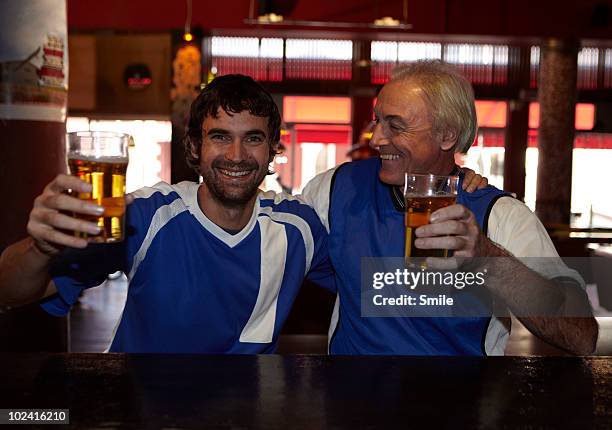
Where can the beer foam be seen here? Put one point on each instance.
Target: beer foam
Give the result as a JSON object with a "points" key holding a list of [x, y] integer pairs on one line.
{"points": [[102, 159]]}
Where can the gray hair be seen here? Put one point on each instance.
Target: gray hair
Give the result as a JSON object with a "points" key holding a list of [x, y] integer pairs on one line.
{"points": [[450, 97]]}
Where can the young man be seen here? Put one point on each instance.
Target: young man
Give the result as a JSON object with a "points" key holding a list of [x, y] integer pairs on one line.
{"points": [[212, 268], [424, 115]]}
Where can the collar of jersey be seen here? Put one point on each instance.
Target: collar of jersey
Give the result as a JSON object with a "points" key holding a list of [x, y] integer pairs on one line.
{"points": [[189, 195]]}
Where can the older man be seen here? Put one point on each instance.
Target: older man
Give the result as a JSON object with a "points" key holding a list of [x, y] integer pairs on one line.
{"points": [[424, 115]]}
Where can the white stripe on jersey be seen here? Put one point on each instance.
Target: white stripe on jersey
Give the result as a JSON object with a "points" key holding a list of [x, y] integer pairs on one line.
{"points": [[160, 219], [118, 322], [300, 224], [279, 197], [333, 323], [146, 192], [273, 246]]}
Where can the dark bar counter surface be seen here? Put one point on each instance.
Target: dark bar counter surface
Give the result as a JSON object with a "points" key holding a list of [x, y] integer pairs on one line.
{"points": [[188, 391]]}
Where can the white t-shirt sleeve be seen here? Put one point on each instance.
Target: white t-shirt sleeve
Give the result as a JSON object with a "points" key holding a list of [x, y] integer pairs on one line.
{"points": [[316, 194], [513, 226]]}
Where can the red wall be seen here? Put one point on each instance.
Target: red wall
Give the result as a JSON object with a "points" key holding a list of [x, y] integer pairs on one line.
{"points": [[154, 15], [479, 17]]}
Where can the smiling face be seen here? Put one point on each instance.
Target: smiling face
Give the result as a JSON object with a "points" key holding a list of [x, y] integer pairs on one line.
{"points": [[405, 136], [234, 156]]}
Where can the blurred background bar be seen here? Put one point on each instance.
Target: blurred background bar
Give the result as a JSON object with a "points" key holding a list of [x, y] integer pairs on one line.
{"points": [[542, 75]]}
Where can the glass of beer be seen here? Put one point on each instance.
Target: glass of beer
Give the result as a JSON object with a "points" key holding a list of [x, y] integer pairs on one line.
{"points": [[101, 158], [425, 194]]}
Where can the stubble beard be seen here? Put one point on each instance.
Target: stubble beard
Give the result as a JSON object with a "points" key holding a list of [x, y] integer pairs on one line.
{"points": [[232, 196]]}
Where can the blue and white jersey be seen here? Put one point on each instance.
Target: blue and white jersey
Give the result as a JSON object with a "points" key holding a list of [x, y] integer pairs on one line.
{"points": [[195, 288]]}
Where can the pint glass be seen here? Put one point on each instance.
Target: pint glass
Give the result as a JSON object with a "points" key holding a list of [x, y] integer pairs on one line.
{"points": [[101, 158], [425, 194]]}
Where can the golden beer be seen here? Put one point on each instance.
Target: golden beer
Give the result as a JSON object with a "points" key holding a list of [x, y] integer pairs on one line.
{"points": [[107, 178], [418, 212]]}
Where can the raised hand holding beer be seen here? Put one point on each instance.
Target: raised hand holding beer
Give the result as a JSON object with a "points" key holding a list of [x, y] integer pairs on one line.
{"points": [[454, 227], [88, 206], [51, 223], [425, 194]]}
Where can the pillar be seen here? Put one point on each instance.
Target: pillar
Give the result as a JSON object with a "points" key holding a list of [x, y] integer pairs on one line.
{"points": [[517, 126], [186, 79], [557, 98], [33, 96]]}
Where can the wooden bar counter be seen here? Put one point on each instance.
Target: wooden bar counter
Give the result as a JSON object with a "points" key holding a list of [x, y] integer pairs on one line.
{"points": [[309, 391]]}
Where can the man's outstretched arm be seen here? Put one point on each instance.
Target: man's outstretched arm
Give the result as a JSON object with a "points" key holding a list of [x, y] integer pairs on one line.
{"points": [[24, 266], [24, 274]]}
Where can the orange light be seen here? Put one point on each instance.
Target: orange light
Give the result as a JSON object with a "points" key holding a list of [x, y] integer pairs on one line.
{"points": [[491, 113], [306, 109], [584, 117], [187, 37]]}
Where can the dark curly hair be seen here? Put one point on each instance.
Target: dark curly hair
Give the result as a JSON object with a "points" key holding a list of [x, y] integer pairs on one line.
{"points": [[234, 94]]}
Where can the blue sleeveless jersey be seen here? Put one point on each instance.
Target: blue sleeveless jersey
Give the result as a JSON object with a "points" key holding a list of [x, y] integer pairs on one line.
{"points": [[364, 222]]}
